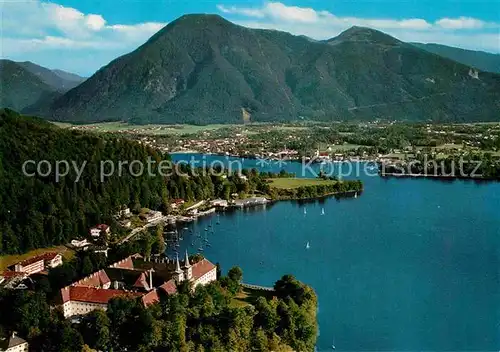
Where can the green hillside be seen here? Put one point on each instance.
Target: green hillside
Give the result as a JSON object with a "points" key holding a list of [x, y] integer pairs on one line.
{"points": [[479, 59], [20, 88], [59, 80]]}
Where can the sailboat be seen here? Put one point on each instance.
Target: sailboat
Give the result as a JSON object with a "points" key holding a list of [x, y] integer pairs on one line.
{"points": [[305, 211], [356, 195], [323, 211], [333, 344], [307, 245]]}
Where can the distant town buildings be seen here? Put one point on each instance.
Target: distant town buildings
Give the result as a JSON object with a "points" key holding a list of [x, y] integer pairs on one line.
{"points": [[134, 277], [12, 279], [13, 343], [80, 243], [39, 263], [248, 202], [222, 203], [100, 229], [152, 216], [177, 203], [125, 212]]}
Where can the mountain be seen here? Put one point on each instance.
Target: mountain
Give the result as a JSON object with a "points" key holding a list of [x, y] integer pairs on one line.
{"points": [[479, 59], [69, 77], [20, 87], [24, 84], [59, 80], [203, 69]]}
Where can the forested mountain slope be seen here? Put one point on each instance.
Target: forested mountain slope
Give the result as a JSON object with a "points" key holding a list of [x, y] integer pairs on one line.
{"points": [[204, 69]]}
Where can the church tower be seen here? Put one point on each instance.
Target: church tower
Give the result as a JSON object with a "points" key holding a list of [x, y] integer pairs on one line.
{"points": [[188, 270], [178, 273]]}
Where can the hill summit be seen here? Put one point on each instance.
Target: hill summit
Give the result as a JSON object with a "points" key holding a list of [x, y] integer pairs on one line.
{"points": [[204, 69], [364, 35]]}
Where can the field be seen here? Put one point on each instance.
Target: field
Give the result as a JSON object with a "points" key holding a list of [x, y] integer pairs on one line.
{"points": [[8, 260], [178, 129], [290, 183], [143, 129]]}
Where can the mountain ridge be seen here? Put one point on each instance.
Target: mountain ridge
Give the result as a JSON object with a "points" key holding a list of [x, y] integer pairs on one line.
{"points": [[481, 60], [25, 84], [204, 69]]}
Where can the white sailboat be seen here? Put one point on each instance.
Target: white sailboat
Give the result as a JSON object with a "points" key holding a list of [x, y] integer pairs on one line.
{"points": [[307, 245], [356, 195], [333, 344], [305, 211], [323, 211]]}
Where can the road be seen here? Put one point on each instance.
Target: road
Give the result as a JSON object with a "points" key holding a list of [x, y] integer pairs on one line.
{"points": [[140, 229]]}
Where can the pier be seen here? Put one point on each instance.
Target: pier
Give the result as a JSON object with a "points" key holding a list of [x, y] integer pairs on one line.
{"points": [[257, 287]]}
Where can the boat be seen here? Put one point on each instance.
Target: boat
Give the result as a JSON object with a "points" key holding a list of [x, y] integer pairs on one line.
{"points": [[305, 211], [307, 245], [208, 245], [206, 228], [333, 344], [192, 244], [323, 211], [356, 195], [185, 228]]}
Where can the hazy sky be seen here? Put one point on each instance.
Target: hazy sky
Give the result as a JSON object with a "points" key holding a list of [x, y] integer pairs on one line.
{"points": [[83, 35]]}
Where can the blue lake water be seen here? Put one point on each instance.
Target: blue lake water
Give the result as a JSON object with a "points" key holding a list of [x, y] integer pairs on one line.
{"points": [[411, 264]]}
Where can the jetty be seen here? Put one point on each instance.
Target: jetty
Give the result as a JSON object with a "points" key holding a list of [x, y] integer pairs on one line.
{"points": [[257, 287]]}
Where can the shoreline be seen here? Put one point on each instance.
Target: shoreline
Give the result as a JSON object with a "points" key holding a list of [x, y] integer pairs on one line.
{"points": [[438, 177]]}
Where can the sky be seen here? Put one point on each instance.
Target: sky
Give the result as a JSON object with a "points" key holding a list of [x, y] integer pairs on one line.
{"points": [[81, 36]]}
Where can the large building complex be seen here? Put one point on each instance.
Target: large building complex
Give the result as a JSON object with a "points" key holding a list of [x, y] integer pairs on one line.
{"points": [[134, 277]]}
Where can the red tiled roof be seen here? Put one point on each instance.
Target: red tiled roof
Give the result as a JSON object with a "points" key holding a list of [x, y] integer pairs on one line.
{"points": [[150, 298], [201, 268], [169, 287], [92, 295], [45, 256], [102, 227], [7, 274], [126, 263], [97, 279], [142, 281]]}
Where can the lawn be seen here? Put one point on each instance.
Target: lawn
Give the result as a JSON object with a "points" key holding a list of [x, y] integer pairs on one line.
{"points": [[249, 296], [289, 183], [8, 260]]}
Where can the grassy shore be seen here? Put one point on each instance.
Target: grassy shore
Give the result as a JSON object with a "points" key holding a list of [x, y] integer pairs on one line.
{"points": [[8, 260], [291, 183]]}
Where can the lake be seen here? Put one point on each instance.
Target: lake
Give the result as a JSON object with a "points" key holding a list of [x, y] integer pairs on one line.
{"points": [[411, 264]]}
